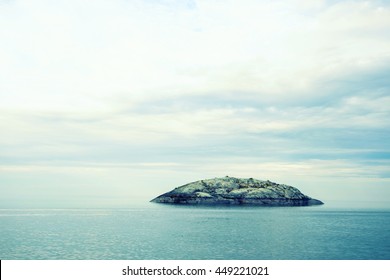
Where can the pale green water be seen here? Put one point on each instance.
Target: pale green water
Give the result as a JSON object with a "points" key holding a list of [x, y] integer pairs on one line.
{"points": [[156, 231]]}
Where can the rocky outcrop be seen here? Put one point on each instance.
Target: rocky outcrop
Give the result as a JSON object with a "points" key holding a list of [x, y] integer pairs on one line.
{"points": [[236, 191]]}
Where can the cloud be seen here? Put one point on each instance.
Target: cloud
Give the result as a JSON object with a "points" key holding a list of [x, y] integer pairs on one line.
{"points": [[353, 123], [276, 51], [179, 84]]}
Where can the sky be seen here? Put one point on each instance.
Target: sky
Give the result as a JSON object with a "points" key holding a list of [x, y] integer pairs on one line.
{"points": [[111, 103]]}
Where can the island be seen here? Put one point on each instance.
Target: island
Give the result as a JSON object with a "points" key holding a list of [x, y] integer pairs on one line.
{"points": [[236, 191]]}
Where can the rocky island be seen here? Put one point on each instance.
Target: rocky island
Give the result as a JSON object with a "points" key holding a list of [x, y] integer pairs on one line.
{"points": [[236, 191]]}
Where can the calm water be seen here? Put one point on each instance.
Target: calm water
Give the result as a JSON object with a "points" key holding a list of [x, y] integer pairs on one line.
{"points": [[175, 232]]}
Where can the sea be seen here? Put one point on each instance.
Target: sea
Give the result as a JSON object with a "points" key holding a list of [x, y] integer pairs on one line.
{"points": [[152, 231]]}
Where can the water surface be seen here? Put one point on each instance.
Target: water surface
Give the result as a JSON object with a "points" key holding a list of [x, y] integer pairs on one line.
{"points": [[155, 231]]}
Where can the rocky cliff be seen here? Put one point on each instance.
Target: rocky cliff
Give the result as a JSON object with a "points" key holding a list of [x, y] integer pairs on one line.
{"points": [[236, 191]]}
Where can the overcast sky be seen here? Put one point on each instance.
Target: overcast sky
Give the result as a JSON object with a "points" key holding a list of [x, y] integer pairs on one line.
{"points": [[106, 103]]}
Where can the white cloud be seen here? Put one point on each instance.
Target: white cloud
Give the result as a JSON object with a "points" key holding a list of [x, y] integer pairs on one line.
{"points": [[70, 54], [156, 83]]}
